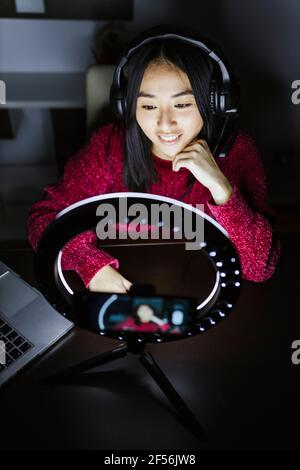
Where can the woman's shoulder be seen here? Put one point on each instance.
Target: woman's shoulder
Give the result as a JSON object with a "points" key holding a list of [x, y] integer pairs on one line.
{"points": [[110, 141], [244, 157], [244, 142], [113, 131]]}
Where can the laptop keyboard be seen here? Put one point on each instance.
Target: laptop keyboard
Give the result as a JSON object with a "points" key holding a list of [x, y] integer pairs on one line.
{"points": [[15, 344]]}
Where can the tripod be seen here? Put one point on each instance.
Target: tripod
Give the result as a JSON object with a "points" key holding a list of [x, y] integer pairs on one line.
{"points": [[152, 367]]}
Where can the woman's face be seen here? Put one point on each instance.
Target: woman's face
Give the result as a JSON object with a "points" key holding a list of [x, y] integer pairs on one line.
{"points": [[145, 313], [167, 111]]}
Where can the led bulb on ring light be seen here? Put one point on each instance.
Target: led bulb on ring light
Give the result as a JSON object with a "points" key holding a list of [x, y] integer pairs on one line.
{"points": [[221, 314]]}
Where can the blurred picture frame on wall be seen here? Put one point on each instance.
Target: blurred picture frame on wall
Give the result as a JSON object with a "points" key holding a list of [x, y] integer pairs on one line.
{"points": [[68, 9]]}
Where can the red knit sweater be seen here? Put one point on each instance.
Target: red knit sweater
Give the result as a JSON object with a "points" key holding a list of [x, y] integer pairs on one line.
{"points": [[88, 173]]}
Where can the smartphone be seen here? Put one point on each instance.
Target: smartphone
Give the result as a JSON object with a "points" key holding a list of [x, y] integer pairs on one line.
{"points": [[121, 313]]}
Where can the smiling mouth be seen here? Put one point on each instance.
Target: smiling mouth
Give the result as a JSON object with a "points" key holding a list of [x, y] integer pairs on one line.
{"points": [[172, 139]]}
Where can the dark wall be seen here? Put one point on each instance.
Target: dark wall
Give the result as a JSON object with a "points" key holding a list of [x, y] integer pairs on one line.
{"points": [[259, 37]]}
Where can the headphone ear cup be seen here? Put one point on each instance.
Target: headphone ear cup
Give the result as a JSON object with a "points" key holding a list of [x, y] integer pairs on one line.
{"points": [[116, 98], [220, 100], [118, 101], [124, 106], [235, 94], [120, 108], [112, 99], [122, 100], [213, 101]]}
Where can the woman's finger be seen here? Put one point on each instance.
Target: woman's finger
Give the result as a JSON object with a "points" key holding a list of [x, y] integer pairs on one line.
{"points": [[127, 284], [182, 161]]}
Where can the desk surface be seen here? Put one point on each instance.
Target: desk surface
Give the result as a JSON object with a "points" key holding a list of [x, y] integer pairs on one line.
{"points": [[238, 378]]}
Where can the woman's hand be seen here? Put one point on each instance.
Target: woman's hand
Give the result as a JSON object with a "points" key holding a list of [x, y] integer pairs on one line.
{"points": [[197, 158], [108, 279]]}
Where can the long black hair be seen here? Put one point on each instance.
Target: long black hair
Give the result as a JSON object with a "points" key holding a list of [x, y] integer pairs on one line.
{"points": [[138, 169]]}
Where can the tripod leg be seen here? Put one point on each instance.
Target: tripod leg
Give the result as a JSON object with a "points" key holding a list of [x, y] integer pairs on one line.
{"points": [[185, 413], [108, 356]]}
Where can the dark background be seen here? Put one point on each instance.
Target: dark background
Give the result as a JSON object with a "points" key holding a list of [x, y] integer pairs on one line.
{"points": [[239, 378]]}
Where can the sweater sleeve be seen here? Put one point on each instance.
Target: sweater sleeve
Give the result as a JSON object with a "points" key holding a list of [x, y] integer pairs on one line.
{"points": [[85, 175], [247, 217]]}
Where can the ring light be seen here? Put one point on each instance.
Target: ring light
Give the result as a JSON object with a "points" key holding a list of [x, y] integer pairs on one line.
{"points": [[81, 216]]}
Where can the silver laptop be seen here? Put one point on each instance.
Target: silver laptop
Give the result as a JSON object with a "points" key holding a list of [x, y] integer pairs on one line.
{"points": [[29, 325]]}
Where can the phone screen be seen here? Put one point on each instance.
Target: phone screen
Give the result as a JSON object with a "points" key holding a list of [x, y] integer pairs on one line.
{"points": [[135, 313]]}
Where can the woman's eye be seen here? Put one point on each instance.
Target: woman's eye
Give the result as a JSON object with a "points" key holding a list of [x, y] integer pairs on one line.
{"points": [[183, 105], [180, 106]]}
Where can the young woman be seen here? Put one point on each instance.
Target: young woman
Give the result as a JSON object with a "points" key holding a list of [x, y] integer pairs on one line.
{"points": [[144, 318], [164, 147]]}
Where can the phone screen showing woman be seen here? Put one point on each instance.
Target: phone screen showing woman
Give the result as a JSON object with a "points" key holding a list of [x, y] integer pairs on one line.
{"points": [[135, 313]]}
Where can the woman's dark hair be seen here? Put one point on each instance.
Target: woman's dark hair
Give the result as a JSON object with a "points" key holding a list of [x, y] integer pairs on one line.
{"points": [[138, 170]]}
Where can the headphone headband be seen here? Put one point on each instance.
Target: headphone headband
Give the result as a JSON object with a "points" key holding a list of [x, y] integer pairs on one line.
{"points": [[201, 45]]}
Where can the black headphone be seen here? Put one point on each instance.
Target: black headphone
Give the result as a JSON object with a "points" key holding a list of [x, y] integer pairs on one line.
{"points": [[223, 90]]}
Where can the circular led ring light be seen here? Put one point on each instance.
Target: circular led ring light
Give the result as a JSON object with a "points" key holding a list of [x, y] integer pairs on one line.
{"points": [[81, 216]]}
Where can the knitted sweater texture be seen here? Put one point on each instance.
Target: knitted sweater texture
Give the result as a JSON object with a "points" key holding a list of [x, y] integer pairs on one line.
{"points": [[97, 169]]}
